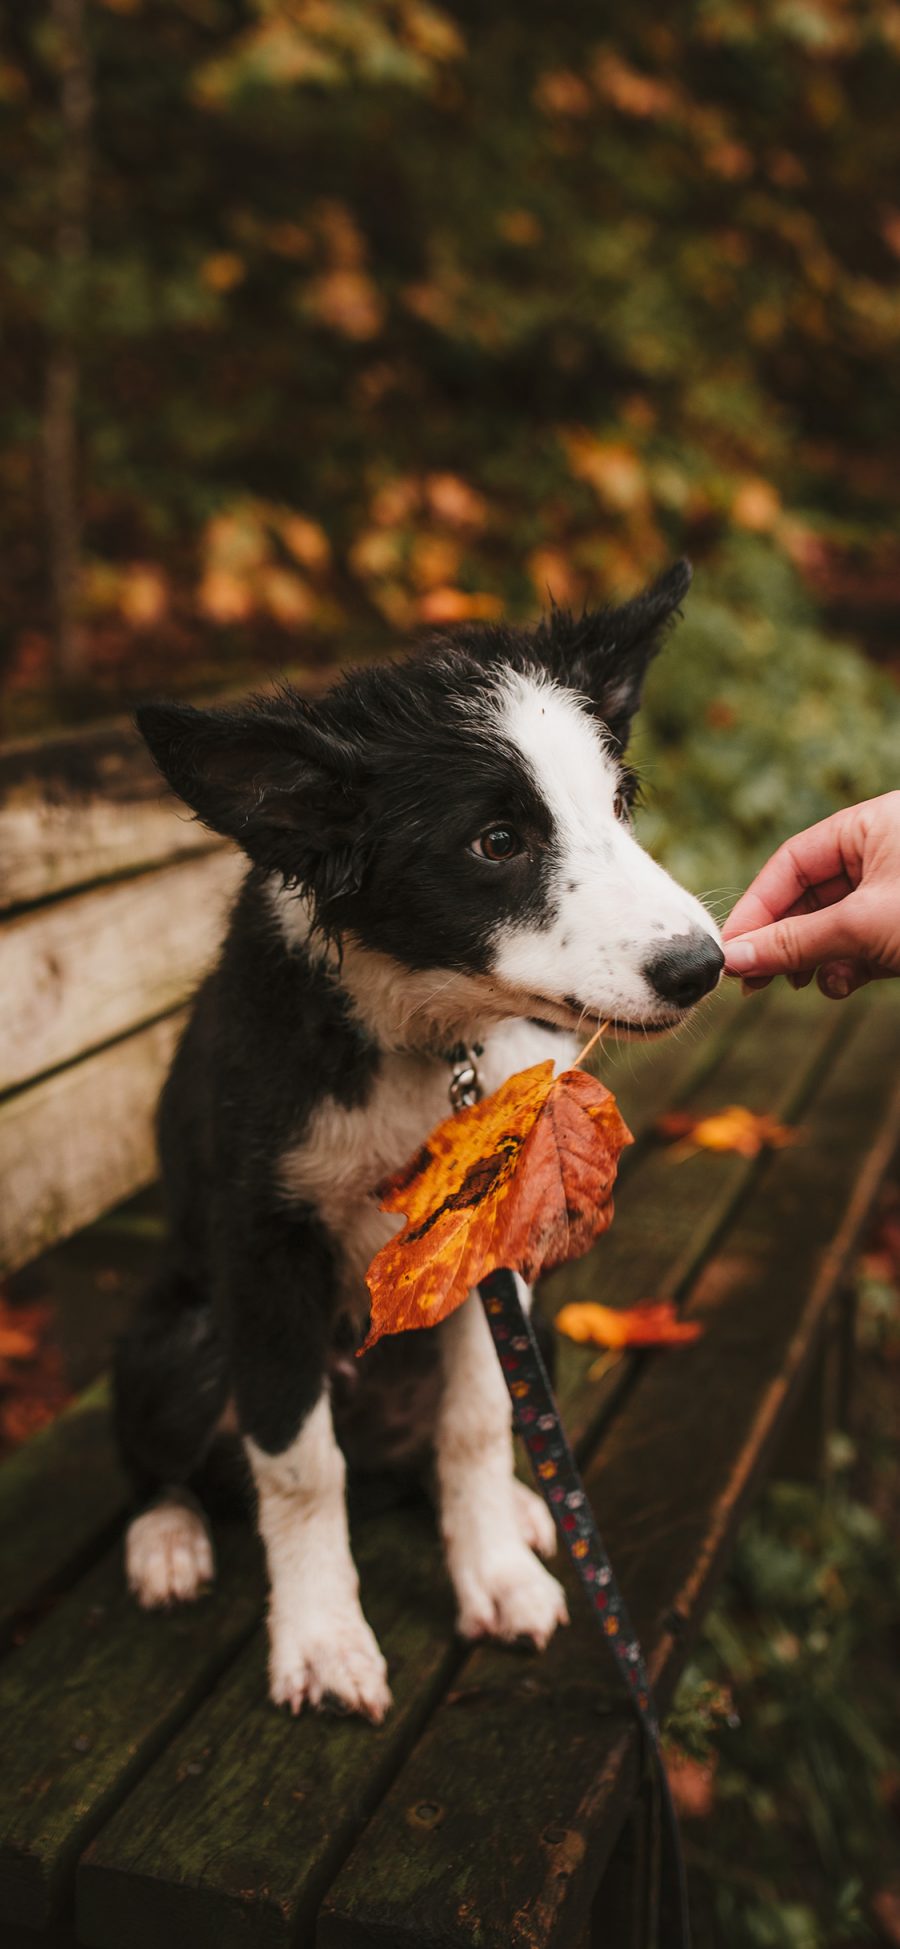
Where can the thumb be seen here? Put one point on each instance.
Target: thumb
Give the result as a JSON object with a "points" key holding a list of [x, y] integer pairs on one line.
{"points": [[795, 945]]}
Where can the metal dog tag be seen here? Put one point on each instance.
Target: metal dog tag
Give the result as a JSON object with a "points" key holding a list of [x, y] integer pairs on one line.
{"points": [[465, 1083]]}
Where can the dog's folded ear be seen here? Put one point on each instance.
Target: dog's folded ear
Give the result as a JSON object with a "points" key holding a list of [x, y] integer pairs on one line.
{"points": [[265, 773]]}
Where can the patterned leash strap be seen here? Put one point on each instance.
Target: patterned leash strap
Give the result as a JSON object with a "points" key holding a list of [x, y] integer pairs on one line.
{"points": [[558, 1478]]}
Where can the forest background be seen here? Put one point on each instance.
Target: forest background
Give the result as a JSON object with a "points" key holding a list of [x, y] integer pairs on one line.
{"points": [[325, 322]]}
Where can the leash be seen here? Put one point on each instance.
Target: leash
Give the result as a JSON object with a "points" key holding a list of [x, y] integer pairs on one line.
{"points": [[559, 1480]]}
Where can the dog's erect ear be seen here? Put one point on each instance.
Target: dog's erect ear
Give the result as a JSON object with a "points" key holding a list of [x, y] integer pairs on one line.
{"points": [[606, 652], [628, 641], [269, 775]]}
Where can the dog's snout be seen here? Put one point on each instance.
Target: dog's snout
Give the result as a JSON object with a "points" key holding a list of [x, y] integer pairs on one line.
{"points": [[686, 968]]}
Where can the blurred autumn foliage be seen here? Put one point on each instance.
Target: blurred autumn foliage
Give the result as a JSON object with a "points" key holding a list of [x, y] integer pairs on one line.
{"points": [[393, 313], [33, 1383]]}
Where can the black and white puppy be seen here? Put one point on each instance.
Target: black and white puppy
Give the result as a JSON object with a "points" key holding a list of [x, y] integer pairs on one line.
{"points": [[441, 853]]}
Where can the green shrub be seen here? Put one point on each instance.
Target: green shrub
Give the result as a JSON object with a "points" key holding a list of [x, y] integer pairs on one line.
{"points": [[791, 1701], [755, 724]]}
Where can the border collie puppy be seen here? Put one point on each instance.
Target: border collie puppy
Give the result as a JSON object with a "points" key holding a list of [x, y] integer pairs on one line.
{"points": [[441, 855]]}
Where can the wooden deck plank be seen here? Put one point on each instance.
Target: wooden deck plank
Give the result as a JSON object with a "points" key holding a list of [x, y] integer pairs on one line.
{"points": [[525, 1760], [60, 1935], [667, 1221], [156, 1858], [221, 1869], [88, 1702], [81, 972], [88, 805], [80, 1141], [59, 1495], [82, 807]]}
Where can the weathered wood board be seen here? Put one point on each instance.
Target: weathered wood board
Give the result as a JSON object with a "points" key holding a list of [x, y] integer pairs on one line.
{"points": [[90, 1699], [82, 807], [60, 1495], [89, 805], [80, 972], [80, 1141], [250, 1861]]}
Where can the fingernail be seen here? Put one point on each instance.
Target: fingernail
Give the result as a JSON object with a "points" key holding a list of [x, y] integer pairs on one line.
{"points": [[838, 987], [740, 956]]}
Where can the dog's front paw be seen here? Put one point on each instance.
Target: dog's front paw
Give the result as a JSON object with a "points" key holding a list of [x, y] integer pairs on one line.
{"points": [[328, 1662], [509, 1595], [536, 1525], [168, 1555]]}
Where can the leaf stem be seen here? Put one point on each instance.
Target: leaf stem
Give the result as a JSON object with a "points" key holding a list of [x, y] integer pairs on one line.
{"points": [[599, 1031]]}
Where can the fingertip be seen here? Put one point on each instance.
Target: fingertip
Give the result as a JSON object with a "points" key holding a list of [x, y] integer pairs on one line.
{"points": [[838, 979], [740, 956]]}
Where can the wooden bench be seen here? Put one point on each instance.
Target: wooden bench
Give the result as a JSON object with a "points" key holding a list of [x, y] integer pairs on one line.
{"points": [[149, 1794]]}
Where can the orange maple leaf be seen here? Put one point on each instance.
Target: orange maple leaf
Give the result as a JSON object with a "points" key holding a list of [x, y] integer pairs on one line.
{"points": [[33, 1386], [735, 1128], [654, 1323], [522, 1179], [16, 1345]]}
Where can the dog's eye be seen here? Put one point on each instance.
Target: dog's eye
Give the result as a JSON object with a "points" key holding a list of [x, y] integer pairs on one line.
{"points": [[621, 808], [497, 843]]}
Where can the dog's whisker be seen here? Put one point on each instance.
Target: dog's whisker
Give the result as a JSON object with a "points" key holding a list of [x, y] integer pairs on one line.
{"points": [[426, 1000], [719, 900]]}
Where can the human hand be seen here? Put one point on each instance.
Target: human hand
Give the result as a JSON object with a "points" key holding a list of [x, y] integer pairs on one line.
{"points": [[828, 900]]}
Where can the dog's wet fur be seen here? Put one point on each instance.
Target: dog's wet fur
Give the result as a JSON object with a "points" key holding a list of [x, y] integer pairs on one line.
{"points": [[440, 853]]}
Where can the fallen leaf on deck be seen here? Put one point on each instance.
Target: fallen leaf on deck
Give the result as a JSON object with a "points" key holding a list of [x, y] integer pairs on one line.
{"points": [[886, 1909], [654, 1323], [16, 1345], [734, 1129], [693, 1783], [33, 1387], [522, 1179]]}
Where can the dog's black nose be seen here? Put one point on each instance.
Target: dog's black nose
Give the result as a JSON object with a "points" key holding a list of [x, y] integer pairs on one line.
{"points": [[686, 968]]}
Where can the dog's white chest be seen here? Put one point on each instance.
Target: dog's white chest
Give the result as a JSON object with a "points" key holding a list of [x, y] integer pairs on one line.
{"points": [[345, 1153]]}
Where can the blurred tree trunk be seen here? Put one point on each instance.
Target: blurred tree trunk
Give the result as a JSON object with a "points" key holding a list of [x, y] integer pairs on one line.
{"points": [[60, 436]]}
